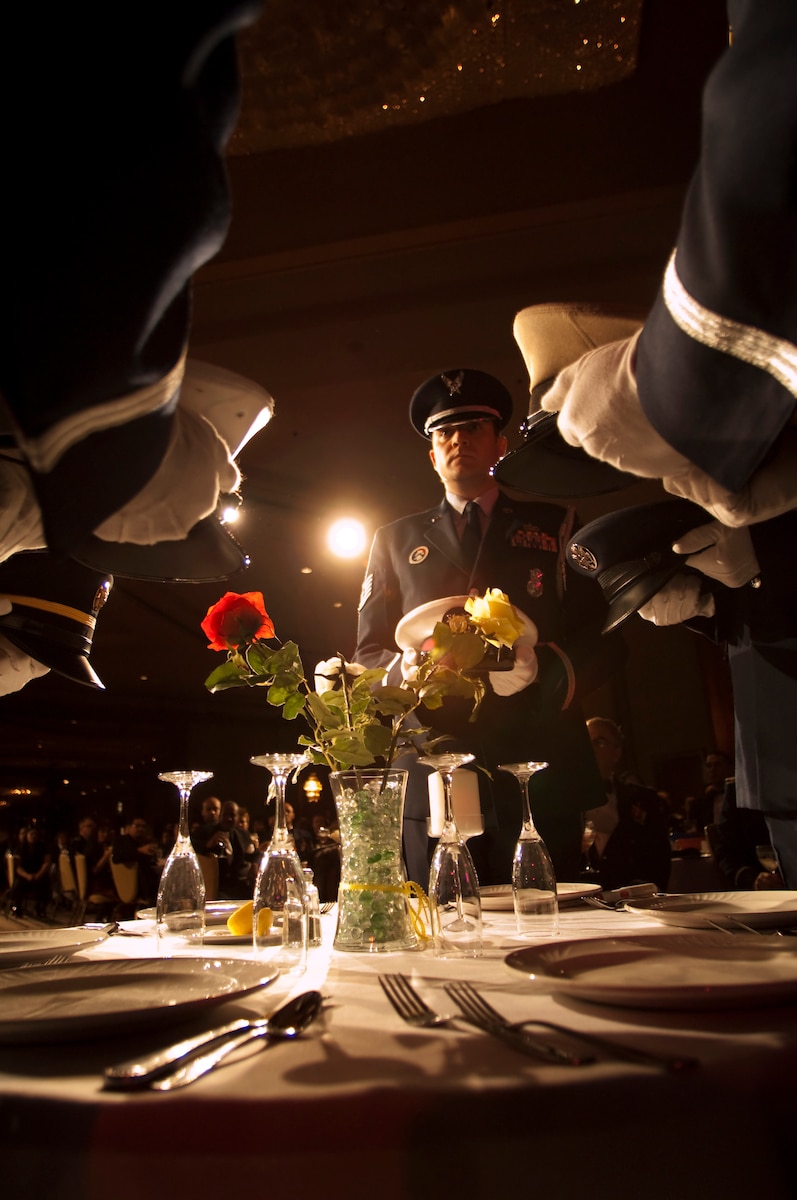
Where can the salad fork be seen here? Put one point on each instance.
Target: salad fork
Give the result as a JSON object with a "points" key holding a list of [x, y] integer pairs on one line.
{"points": [[408, 1004], [415, 1011], [470, 1001]]}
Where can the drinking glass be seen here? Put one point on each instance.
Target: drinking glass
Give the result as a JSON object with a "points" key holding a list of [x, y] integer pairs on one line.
{"points": [[533, 878], [280, 877], [453, 886], [587, 842], [180, 908], [767, 857]]}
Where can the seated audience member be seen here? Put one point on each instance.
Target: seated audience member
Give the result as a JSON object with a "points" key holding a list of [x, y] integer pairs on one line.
{"points": [[205, 835], [237, 863], [631, 842], [302, 836], [734, 839], [100, 881], [32, 874], [136, 844], [705, 810], [252, 837]]}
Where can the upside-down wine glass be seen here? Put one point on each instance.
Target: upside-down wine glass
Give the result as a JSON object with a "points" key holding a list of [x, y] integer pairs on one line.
{"points": [[533, 877], [180, 908], [453, 885], [280, 884]]}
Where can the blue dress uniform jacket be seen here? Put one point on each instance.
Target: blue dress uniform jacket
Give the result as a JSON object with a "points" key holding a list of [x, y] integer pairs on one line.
{"points": [[418, 559], [716, 363]]}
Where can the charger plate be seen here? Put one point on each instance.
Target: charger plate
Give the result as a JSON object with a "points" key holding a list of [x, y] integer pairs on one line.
{"points": [[697, 910], [81, 1000], [22, 946], [667, 970], [497, 897]]}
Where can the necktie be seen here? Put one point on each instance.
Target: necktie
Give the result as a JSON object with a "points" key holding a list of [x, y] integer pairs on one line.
{"points": [[472, 533]]}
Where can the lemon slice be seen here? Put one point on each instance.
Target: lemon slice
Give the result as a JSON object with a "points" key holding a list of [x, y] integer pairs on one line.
{"points": [[240, 922]]}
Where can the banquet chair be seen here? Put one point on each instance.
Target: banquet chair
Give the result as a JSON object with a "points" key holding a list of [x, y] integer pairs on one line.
{"points": [[210, 873], [10, 876], [94, 901], [69, 886], [125, 880]]}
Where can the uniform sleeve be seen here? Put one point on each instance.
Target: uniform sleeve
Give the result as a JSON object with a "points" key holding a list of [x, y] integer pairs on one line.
{"points": [[380, 609]]}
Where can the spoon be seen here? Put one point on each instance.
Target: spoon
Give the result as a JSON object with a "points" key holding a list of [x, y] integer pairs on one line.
{"points": [[184, 1062]]}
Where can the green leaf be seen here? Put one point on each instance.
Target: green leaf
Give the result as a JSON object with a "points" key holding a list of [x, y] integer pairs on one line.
{"points": [[468, 650], [226, 676], [323, 713]]}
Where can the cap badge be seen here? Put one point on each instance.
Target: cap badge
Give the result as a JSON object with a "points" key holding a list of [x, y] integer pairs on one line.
{"points": [[453, 386], [418, 555], [583, 557]]}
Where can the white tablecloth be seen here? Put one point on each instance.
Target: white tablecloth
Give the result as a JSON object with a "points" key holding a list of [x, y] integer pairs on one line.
{"points": [[364, 1103]]}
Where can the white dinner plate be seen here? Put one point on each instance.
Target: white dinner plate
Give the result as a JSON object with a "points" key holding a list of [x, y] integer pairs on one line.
{"points": [[695, 910], [667, 970], [216, 912], [37, 945], [216, 931], [79, 1000], [498, 897]]}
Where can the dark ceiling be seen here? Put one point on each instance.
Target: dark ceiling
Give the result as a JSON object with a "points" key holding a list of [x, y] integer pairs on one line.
{"points": [[379, 237]]}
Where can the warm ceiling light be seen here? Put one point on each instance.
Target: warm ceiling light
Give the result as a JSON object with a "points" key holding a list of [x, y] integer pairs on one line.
{"points": [[346, 538]]}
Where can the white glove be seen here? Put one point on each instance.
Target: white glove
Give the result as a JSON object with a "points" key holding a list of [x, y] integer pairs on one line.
{"points": [[409, 665], [598, 405], [183, 490], [679, 600], [20, 515], [724, 554], [524, 672], [770, 491], [16, 667]]}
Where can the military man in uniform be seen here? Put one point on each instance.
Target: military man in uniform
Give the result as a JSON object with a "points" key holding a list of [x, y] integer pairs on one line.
{"points": [[478, 537]]}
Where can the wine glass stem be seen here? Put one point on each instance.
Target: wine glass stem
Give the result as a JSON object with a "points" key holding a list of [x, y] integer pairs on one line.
{"points": [[280, 824], [448, 781], [182, 825], [528, 824]]}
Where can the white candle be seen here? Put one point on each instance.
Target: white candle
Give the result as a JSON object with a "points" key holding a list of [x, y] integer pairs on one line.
{"points": [[464, 799]]}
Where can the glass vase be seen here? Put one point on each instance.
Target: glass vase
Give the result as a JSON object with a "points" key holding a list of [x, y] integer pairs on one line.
{"points": [[374, 914]]}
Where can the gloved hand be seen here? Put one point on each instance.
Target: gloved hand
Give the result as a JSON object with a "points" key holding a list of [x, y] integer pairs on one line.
{"points": [[20, 515], [16, 667], [679, 600], [598, 405], [723, 554], [183, 490], [524, 672], [770, 491], [409, 665]]}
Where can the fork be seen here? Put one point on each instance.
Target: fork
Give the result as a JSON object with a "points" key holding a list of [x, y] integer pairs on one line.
{"points": [[469, 1000], [415, 1011]]}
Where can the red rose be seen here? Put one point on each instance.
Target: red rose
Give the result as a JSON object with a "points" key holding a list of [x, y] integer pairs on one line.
{"points": [[237, 619]]}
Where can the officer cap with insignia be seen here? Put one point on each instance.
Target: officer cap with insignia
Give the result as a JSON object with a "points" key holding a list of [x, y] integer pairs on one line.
{"points": [[551, 337], [629, 553], [53, 606], [457, 396]]}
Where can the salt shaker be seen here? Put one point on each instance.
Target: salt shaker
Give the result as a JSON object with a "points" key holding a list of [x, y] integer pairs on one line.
{"points": [[313, 906]]}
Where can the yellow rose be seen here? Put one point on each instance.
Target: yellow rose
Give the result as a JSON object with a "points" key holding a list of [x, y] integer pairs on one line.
{"points": [[495, 617]]}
